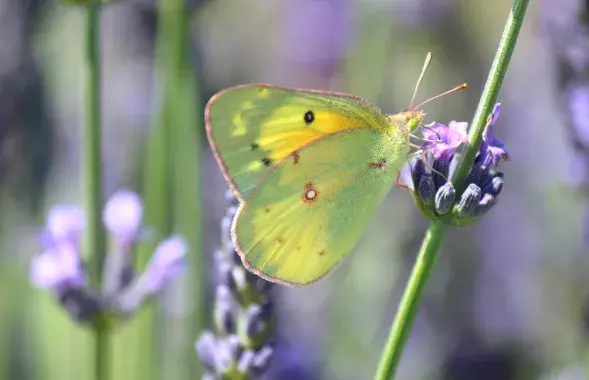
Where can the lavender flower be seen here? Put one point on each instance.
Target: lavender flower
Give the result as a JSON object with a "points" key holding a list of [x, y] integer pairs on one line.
{"points": [[60, 266], [432, 191], [243, 315]]}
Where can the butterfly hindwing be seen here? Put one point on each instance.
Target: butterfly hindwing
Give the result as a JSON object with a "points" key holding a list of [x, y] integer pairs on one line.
{"points": [[309, 212], [252, 128]]}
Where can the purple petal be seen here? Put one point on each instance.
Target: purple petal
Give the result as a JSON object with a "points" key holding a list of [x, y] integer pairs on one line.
{"points": [[448, 137], [457, 133], [45, 271], [578, 100], [495, 113], [167, 261], [435, 131], [58, 267], [492, 149], [65, 223], [122, 215]]}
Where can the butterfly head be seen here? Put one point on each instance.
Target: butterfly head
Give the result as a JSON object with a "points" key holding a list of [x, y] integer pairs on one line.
{"points": [[413, 117]]}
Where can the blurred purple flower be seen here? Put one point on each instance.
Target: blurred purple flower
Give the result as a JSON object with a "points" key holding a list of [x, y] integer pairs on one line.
{"points": [[242, 314], [167, 261], [65, 223], [567, 27], [317, 33], [122, 216], [421, 13], [60, 267]]}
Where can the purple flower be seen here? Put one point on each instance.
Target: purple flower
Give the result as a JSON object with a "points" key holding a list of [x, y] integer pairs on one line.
{"points": [[122, 216], [65, 223], [242, 314], [445, 138], [431, 170], [167, 261], [60, 267], [492, 150]]}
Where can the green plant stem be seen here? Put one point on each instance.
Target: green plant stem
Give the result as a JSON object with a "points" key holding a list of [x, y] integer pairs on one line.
{"points": [[92, 175], [410, 301], [435, 234], [490, 91]]}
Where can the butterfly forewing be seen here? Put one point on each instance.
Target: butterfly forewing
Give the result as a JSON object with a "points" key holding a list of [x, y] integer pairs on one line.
{"points": [[252, 128]]}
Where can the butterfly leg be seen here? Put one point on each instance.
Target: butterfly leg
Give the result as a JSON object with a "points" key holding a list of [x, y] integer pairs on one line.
{"points": [[400, 183]]}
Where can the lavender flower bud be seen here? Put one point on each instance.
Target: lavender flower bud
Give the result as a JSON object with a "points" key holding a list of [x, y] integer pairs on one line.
{"points": [[65, 223], [206, 347], [168, 260], [445, 198], [468, 201], [417, 167], [262, 359], [224, 311], [229, 350], [245, 361], [230, 198], [427, 189], [122, 216], [59, 268], [257, 320]]}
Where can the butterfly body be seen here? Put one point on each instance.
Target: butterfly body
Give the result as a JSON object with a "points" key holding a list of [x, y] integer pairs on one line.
{"points": [[309, 167]]}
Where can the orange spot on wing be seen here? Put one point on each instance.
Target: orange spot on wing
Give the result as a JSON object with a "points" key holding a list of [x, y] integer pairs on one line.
{"points": [[310, 193]]}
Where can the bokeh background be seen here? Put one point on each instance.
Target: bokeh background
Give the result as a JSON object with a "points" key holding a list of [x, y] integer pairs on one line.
{"points": [[508, 297]]}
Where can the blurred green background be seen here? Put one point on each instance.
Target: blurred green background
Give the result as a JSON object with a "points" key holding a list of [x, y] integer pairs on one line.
{"points": [[508, 297]]}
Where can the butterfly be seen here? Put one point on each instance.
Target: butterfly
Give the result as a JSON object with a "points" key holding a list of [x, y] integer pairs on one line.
{"points": [[309, 168]]}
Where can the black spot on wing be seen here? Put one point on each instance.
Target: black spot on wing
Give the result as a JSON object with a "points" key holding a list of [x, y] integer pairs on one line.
{"points": [[309, 117]]}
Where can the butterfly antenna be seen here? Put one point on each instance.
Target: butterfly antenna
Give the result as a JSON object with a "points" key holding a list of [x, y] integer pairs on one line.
{"points": [[455, 89], [431, 130], [428, 59]]}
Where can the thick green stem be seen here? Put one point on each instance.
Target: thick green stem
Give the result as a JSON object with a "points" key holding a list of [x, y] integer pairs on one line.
{"points": [[92, 175], [435, 234]]}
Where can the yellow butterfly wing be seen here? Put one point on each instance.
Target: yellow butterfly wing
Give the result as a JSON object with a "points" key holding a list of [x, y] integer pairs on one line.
{"points": [[253, 127], [308, 213]]}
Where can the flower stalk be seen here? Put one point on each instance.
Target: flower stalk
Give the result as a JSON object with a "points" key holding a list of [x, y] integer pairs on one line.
{"points": [[435, 234], [92, 176]]}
